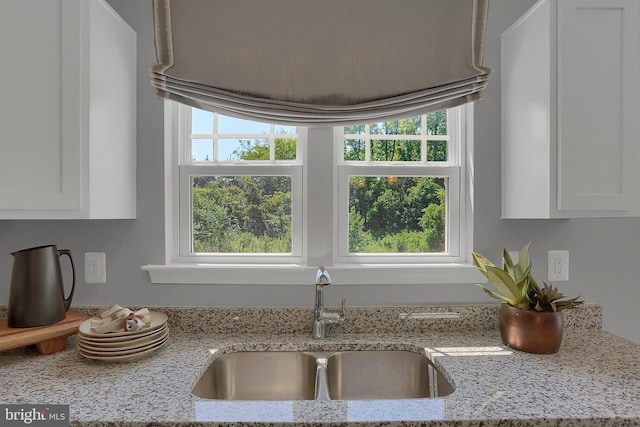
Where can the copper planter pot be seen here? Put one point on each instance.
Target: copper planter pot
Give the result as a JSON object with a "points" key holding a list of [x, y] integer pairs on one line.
{"points": [[531, 331]]}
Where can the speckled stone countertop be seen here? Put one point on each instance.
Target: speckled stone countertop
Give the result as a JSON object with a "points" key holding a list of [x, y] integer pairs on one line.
{"points": [[593, 380]]}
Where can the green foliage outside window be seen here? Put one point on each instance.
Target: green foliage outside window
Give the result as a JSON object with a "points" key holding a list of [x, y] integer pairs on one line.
{"points": [[241, 214], [387, 214], [285, 149], [397, 214], [244, 214]]}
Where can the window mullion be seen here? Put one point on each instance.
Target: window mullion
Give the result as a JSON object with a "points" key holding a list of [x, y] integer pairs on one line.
{"points": [[367, 143], [319, 198], [423, 139], [272, 142], [215, 138]]}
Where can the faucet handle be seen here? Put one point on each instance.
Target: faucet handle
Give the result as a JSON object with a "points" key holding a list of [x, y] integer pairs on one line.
{"points": [[335, 315]]}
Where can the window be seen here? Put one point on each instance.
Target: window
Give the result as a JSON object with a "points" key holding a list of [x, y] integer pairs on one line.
{"points": [[240, 190], [369, 199], [399, 189]]}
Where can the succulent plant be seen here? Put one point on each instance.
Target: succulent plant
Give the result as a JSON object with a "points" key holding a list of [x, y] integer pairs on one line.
{"points": [[512, 281], [548, 298], [516, 286]]}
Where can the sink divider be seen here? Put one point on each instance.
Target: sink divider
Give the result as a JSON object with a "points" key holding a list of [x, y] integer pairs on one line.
{"points": [[322, 388]]}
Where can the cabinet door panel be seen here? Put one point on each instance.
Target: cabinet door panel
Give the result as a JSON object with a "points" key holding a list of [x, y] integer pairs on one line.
{"points": [[38, 166], [597, 96]]}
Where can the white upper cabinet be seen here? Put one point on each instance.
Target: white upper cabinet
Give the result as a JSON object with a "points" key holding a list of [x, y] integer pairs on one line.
{"points": [[571, 110], [68, 111]]}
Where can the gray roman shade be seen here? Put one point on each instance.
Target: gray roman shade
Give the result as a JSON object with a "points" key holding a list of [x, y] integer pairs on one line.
{"points": [[320, 62]]}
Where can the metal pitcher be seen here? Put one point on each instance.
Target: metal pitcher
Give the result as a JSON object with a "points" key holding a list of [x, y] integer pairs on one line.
{"points": [[36, 297]]}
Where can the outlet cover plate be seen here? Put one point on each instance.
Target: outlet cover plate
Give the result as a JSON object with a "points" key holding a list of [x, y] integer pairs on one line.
{"points": [[558, 266], [95, 267]]}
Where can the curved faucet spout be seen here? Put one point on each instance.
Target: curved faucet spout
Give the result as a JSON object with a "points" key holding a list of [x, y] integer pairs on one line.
{"points": [[323, 316], [322, 277]]}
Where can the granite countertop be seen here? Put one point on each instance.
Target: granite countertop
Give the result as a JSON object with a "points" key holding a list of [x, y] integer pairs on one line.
{"points": [[593, 380]]}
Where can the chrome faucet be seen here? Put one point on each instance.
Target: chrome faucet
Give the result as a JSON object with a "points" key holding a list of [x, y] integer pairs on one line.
{"points": [[325, 316]]}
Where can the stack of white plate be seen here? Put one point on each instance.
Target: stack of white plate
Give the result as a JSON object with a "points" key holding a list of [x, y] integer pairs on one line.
{"points": [[125, 345]]}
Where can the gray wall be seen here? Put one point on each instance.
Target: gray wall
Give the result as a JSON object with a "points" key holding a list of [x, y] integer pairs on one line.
{"points": [[603, 252]]}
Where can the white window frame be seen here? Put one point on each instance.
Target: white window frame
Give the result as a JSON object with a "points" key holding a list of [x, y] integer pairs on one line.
{"points": [[319, 213], [188, 168], [451, 169]]}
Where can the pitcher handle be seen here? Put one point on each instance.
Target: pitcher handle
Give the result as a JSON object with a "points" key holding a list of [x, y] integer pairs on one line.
{"points": [[67, 301]]}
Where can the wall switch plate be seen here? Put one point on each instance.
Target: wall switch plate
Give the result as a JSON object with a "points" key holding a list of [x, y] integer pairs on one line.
{"points": [[95, 267], [558, 266]]}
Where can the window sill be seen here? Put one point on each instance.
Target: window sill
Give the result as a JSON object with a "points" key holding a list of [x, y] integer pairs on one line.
{"points": [[293, 274]]}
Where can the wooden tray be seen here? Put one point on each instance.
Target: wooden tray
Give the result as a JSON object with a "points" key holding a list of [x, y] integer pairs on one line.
{"points": [[47, 339]]}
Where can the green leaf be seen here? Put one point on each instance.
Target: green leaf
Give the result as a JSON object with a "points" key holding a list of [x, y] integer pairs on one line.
{"points": [[493, 294], [519, 273], [504, 284], [523, 287], [523, 266], [523, 305], [506, 260], [481, 262]]}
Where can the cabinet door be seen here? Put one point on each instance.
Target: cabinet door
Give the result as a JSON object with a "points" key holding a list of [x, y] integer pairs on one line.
{"points": [[598, 104], [112, 116], [528, 117], [39, 153]]}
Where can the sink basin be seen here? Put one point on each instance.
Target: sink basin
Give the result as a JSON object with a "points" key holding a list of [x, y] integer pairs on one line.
{"points": [[356, 375], [259, 375], [335, 375]]}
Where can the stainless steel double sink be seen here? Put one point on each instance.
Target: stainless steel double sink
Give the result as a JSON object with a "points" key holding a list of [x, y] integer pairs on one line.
{"points": [[321, 375]]}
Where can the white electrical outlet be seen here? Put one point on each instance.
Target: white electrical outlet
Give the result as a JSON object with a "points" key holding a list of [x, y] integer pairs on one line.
{"points": [[95, 267], [558, 266]]}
